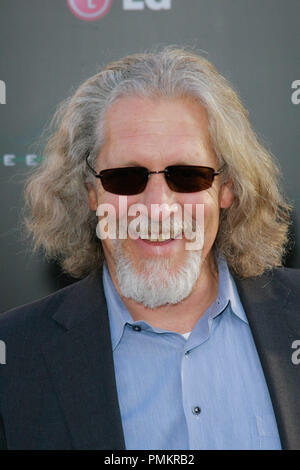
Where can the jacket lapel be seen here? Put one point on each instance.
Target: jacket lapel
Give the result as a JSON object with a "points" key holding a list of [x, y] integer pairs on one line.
{"points": [[80, 361], [272, 309]]}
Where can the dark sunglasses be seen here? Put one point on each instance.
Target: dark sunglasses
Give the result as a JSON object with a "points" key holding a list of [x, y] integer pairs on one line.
{"points": [[133, 180]]}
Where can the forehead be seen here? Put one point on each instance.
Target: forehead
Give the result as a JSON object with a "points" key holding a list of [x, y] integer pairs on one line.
{"points": [[134, 116], [160, 127]]}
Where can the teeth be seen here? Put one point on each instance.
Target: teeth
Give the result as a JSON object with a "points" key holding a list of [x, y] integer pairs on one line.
{"points": [[160, 238]]}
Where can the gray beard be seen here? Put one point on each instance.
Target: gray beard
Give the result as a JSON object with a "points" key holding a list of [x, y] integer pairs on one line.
{"points": [[153, 284]]}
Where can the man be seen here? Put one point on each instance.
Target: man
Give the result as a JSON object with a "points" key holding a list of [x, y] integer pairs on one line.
{"points": [[159, 346]]}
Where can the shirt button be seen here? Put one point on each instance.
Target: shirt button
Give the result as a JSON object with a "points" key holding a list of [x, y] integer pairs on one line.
{"points": [[196, 410], [136, 328], [187, 353]]}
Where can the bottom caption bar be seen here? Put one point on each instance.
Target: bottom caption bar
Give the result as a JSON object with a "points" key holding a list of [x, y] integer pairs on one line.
{"points": [[137, 458]]}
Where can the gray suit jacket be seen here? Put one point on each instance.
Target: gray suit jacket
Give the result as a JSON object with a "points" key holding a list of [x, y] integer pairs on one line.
{"points": [[58, 390]]}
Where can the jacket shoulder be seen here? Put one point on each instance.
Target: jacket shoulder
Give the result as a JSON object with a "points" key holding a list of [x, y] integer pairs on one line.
{"points": [[281, 280], [37, 312], [277, 286], [289, 276]]}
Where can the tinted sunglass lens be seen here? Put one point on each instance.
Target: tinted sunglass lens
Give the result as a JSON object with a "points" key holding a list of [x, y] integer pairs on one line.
{"points": [[189, 179], [124, 181]]}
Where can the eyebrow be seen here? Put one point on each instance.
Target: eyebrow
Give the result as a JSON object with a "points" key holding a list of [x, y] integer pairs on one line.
{"points": [[131, 163]]}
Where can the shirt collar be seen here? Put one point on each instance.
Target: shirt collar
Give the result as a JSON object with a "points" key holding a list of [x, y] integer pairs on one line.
{"points": [[119, 316], [227, 292]]}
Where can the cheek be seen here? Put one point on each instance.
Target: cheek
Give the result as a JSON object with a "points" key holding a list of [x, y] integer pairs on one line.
{"points": [[116, 209], [111, 203], [110, 200], [209, 202], [210, 210]]}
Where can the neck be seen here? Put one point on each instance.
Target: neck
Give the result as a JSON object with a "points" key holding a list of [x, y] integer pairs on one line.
{"points": [[170, 317]]}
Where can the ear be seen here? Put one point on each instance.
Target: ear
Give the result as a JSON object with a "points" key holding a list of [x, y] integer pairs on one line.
{"points": [[226, 195], [92, 194]]}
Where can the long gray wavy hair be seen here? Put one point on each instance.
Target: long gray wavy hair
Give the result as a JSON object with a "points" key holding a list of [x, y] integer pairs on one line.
{"points": [[253, 231]]}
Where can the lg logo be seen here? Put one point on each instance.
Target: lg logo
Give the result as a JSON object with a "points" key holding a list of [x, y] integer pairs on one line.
{"points": [[296, 94], [2, 92], [89, 10], [152, 4], [92, 10]]}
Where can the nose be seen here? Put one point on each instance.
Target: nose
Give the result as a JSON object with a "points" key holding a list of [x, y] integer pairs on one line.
{"points": [[156, 193]]}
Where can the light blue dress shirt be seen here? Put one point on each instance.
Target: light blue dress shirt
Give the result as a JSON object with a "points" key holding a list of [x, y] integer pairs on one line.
{"points": [[204, 392]]}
